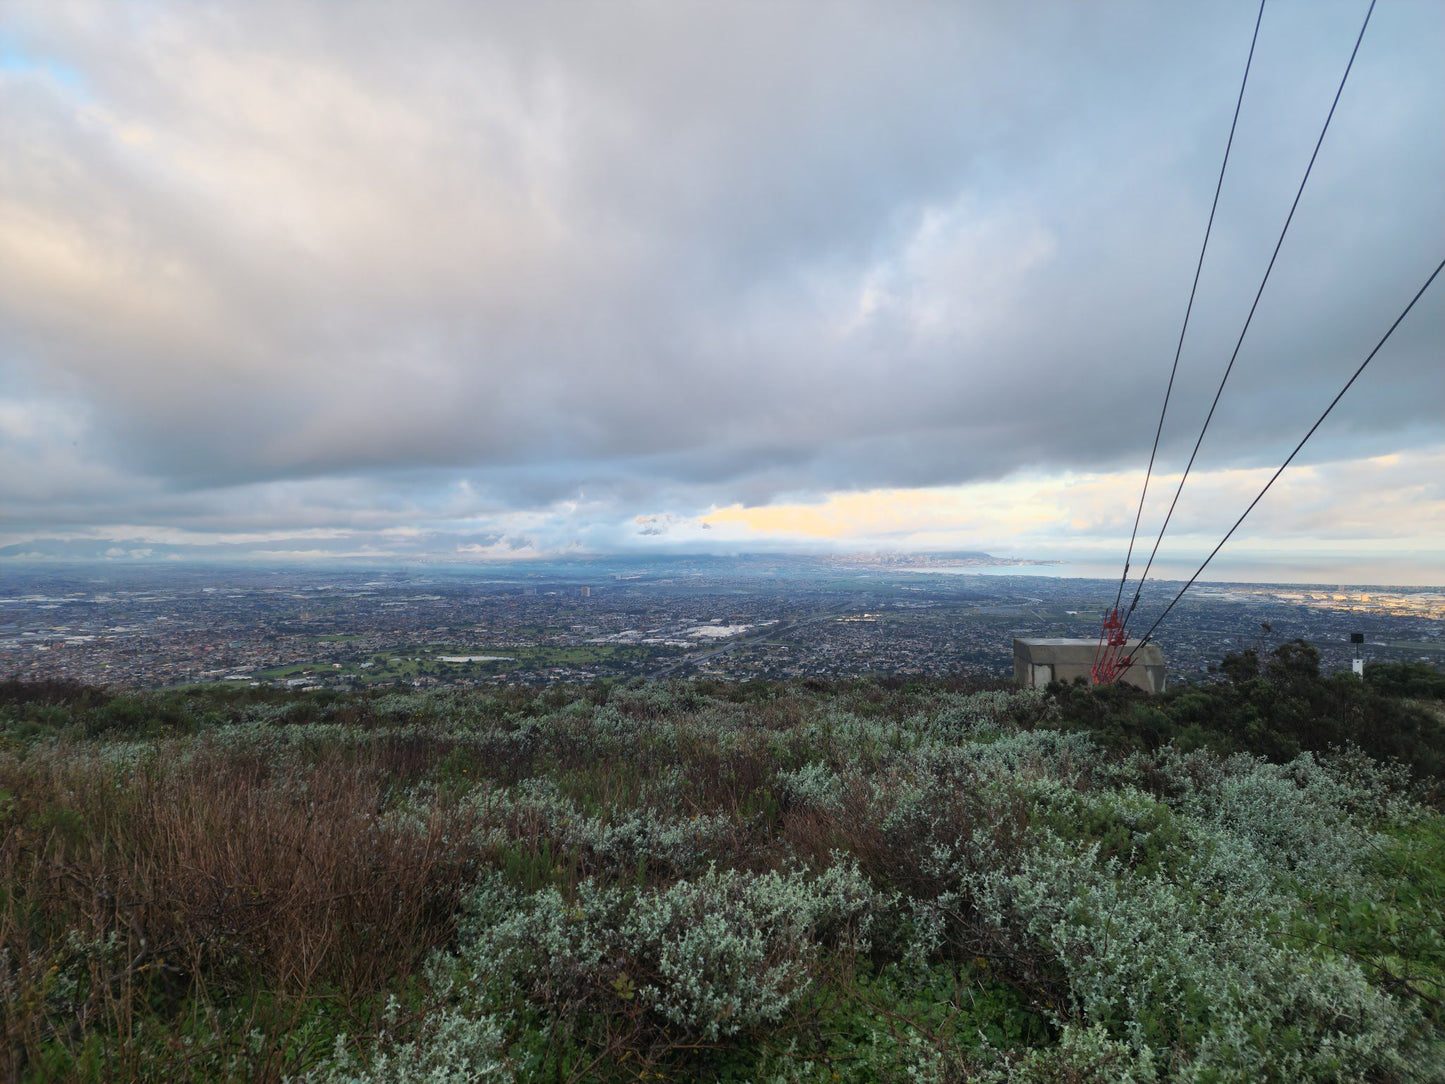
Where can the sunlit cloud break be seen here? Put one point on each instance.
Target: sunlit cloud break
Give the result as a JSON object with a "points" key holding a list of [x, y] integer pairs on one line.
{"points": [[473, 283]]}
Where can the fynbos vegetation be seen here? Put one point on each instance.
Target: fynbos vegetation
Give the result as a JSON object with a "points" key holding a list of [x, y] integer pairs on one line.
{"points": [[815, 882]]}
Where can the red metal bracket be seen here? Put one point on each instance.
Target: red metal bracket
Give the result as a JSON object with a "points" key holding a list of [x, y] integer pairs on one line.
{"points": [[1109, 660]]}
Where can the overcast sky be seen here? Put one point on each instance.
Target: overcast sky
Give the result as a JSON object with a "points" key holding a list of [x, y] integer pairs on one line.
{"points": [[497, 280]]}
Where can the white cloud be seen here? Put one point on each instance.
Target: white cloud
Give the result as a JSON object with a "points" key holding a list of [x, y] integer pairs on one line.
{"points": [[266, 271]]}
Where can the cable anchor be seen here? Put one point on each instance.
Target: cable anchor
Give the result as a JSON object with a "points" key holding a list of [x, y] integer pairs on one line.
{"points": [[1109, 661]]}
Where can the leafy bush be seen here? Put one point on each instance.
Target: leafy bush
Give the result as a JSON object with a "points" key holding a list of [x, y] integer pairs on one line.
{"points": [[1199, 987], [1406, 679], [1277, 708], [715, 956], [827, 881]]}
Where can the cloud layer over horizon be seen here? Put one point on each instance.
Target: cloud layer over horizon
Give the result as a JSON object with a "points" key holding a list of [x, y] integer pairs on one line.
{"points": [[562, 278]]}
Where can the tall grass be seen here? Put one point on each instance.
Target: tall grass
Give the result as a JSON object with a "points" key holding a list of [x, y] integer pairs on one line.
{"points": [[185, 875]]}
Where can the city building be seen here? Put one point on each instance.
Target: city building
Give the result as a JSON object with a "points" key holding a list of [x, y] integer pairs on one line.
{"points": [[1038, 662]]}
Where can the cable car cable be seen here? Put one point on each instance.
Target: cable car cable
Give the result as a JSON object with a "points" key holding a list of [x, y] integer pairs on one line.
{"points": [[1258, 294], [1188, 309], [1197, 572]]}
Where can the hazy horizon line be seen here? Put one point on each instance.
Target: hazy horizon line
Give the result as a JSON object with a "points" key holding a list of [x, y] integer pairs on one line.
{"points": [[990, 565]]}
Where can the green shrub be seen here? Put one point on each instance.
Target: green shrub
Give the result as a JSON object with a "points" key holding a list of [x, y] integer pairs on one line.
{"points": [[1277, 708], [1406, 679], [837, 881], [714, 956]]}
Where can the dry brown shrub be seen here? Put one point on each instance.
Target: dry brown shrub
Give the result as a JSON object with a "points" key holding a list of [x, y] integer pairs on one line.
{"points": [[211, 872]]}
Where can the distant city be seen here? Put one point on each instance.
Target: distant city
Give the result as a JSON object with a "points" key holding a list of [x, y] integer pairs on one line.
{"points": [[733, 618]]}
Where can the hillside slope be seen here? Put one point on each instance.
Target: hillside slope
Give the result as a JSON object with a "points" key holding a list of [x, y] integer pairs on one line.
{"points": [[818, 882]]}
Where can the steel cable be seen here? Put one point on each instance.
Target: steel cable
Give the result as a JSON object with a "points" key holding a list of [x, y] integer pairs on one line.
{"points": [[1252, 309], [1188, 309], [1197, 572]]}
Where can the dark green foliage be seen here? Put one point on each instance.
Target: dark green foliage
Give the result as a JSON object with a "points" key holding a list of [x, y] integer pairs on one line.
{"points": [[1399, 940], [1277, 708], [15, 693], [951, 1008], [1406, 679], [1143, 840]]}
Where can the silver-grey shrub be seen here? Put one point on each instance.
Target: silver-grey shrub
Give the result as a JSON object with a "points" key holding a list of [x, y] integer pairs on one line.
{"points": [[452, 1047], [714, 956], [1195, 976], [615, 842]]}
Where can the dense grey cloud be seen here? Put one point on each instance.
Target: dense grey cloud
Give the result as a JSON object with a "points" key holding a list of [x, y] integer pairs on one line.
{"points": [[304, 265]]}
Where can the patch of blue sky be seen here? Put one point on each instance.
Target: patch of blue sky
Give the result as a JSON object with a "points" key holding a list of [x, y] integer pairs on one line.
{"points": [[17, 59]]}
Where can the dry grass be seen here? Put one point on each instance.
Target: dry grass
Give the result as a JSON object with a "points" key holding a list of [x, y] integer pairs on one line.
{"points": [[178, 875]]}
